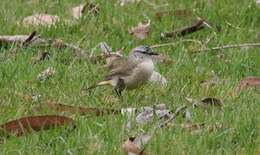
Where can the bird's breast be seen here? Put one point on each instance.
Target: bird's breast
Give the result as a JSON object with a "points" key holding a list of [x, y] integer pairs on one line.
{"points": [[141, 74]]}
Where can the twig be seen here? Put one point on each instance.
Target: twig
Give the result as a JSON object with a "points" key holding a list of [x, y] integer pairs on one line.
{"points": [[200, 24], [175, 44], [227, 47], [175, 114], [29, 39]]}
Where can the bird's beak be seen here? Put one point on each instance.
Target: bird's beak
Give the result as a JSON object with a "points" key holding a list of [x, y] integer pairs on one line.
{"points": [[153, 53]]}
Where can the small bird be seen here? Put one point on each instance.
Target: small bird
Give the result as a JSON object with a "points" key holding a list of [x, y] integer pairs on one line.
{"points": [[132, 72]]}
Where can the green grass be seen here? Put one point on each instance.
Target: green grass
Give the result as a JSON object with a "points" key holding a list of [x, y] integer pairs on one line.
{"points": [[104, 135]]}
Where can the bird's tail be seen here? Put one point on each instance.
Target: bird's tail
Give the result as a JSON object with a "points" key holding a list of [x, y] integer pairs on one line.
{"points": [[102, 83]]}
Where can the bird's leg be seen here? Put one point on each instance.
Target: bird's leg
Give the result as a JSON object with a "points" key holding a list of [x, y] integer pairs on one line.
{"points": [[119, 87], [118, 93]]}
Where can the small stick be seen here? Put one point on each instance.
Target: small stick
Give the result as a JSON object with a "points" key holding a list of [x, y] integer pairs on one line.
{"points": [[200, 24], [227, 47], [30, 37], [176, 43]]}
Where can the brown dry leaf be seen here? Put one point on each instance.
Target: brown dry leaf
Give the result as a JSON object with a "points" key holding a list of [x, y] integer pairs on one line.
{"points": [[41, 20], [249, 82], [28, 124], [141, 31], [199, 25], [47, 73], [78, 11], [130, 147], [135, 145]]}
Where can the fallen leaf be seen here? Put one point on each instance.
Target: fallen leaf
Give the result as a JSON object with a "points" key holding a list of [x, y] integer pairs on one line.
{"points": [[141, 31], [249, 82], [135, 145], [199, 25], [41, 20], [47, 73], [28, 124], [147, 114], [158, 78], [78, 11], [130, 147]]}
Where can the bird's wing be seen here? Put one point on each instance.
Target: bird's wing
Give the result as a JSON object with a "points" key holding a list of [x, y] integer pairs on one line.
{"points": [[126, 68]]}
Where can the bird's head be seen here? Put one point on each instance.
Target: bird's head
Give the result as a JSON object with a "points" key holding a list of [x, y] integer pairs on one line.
{"points": [[141, 52], [145, 50]]}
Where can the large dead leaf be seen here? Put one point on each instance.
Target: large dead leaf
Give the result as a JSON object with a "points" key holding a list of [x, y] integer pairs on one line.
{"points": [[28, 124], [78, 11], [249, 82], [141, 31], [41, 20]]}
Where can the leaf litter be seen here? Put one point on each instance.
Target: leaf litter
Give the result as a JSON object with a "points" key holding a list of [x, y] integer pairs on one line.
{"points": [[141, 31], [136, 144]]}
